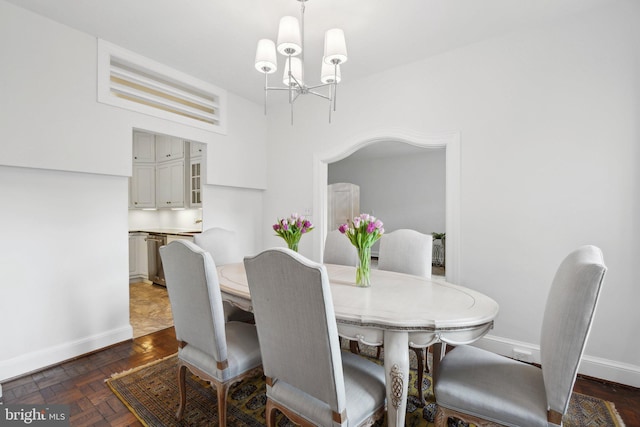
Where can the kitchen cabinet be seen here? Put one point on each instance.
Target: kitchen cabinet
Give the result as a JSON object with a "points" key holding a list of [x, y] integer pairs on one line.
{"points": [[138, 262], [169, 148], [195, 183], [196, 173], [144, 147], [172, 237], [170, 184], [142, 191], [196, 149]]}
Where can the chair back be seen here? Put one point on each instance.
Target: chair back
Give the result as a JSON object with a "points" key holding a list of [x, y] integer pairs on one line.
{"points": [[406, 251], [567, 322], [296, 324], [220, 243], [339, 250], [194, 294]]}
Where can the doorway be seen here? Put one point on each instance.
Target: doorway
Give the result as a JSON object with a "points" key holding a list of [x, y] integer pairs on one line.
{"points": [[400, 184], [451, 144]]}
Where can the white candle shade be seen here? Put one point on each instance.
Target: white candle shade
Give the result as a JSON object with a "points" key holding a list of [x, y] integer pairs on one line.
{"points": [[296, 71], [266, 59], [335, 47], [289, 39], [330, 73]]}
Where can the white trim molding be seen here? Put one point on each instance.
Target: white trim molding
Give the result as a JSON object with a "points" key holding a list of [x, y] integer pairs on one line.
{"points": [[450, 141], [40, 359], [597, 367]]}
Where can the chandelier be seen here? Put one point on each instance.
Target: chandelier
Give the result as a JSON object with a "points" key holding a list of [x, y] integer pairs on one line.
{"points": [[291, 46]]}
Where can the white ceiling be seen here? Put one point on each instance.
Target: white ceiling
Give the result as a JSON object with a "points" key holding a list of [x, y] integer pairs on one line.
{"points": [[215, 40]]}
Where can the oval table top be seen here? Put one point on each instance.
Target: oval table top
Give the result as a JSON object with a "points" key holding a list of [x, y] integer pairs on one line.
{"points": [[393, 301]]}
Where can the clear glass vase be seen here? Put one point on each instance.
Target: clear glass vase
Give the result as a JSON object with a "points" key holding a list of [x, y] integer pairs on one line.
{"points": [[363, 270], [293, 245]]}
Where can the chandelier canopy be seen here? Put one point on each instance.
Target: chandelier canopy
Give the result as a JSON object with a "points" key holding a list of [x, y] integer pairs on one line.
{"points": [[290, 44]]}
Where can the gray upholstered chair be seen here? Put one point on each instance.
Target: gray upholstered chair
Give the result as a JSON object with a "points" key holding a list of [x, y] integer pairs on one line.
{"points": [[222, 246], [296, 324], [410, 252], [475, 385], [220, 352], [339, 250], [406, 251]]}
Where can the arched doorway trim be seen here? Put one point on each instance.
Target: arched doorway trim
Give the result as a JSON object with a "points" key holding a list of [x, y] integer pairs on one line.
{"points": [[449, 140]]}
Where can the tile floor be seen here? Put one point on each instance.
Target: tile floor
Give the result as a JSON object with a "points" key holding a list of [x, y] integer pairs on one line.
{"points": [[149, 308]]}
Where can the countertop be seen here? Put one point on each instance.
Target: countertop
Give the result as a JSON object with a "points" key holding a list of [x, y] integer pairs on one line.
{"points": [[168, 231]]}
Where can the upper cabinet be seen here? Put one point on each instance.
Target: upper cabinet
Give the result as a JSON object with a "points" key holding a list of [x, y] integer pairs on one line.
{"points": [[166, 172], [196, 173], [142, 187], [144, 147], [169, 148], [196, 150], [170, 185]]}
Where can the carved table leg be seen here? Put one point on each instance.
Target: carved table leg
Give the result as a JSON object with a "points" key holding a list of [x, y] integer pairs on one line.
{"points": [[439, 349], [396, 366]]}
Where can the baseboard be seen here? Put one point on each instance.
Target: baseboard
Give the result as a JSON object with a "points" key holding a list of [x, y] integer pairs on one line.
{"points": [[40, 359], [138, 278], [605, 369]]}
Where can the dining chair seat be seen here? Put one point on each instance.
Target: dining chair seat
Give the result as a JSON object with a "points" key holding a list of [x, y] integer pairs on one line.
{"points": [[309, 379], [477, 386], [410, 252], [223, 248], [220, 352], [339, 250]]}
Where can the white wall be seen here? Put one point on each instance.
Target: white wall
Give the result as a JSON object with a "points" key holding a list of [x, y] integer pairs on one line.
{"points": [[64, 164], [408, 191], [549, 136]]}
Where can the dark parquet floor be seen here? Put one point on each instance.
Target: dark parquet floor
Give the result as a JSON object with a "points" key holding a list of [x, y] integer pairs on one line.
{"points": [[80, 382]]}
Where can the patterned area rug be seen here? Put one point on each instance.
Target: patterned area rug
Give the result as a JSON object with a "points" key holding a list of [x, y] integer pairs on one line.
{"points": [[151, 393]]}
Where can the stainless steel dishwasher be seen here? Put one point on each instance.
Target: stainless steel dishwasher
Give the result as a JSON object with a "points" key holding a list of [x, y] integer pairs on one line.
{"points": [[156, 273]]}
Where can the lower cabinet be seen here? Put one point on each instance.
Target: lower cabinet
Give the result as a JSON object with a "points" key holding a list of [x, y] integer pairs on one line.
{"points": [[172, 237], [138, 261]]}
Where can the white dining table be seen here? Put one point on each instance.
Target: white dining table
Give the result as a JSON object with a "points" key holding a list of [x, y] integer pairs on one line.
{"points": [[397, 310]]}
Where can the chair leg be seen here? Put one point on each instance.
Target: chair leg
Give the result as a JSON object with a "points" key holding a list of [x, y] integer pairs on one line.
{"points": [[428, 351], [270, 414], [440, 418], [420, 356], [222, 390], [354, 347], [182, 387]]}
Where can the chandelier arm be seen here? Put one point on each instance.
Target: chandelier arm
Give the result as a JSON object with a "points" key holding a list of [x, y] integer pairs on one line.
{"points": [[320, 85], [277, 88], [330, 96], [266, 91], [335, 85], [291, 76], [321, 95]]}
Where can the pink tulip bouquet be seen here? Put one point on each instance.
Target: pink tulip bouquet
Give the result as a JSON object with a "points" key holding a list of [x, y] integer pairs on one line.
{"points": [[291, 229], [363, 232]]}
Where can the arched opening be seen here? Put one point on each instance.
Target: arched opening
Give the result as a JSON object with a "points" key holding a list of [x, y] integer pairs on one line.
{"points": [[449, 141]]}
